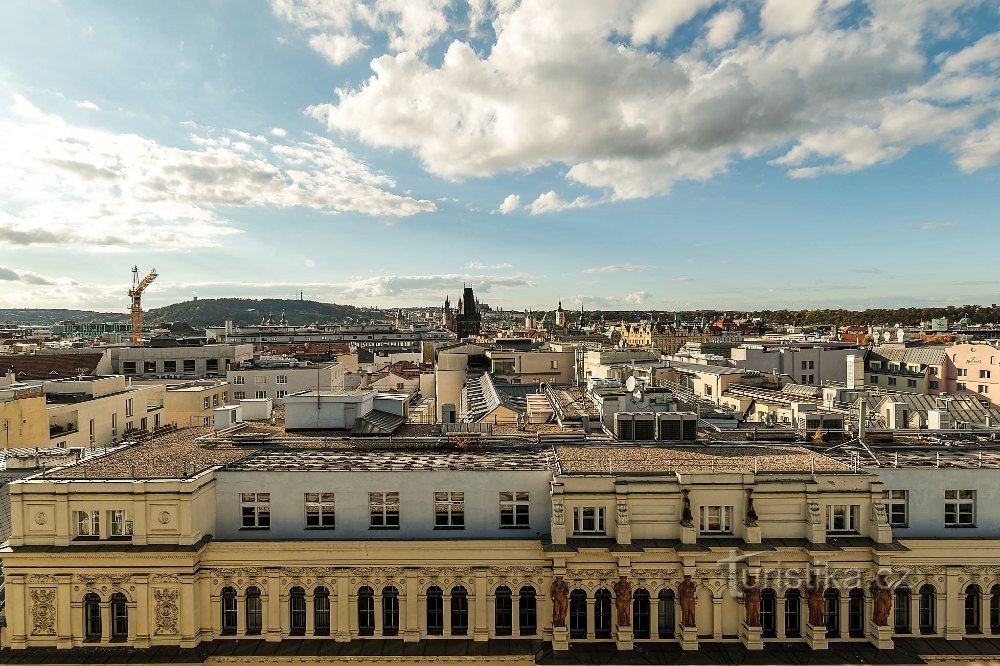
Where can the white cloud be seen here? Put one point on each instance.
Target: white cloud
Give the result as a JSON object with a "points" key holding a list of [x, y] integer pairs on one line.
{"points": [[510, 203], [338, 49], [87, 104], [617, 268], [478, 266], [722, 28], [935, 226], [638, 297], [73, 185], [279, 132], [578, 84], [550, 202]]}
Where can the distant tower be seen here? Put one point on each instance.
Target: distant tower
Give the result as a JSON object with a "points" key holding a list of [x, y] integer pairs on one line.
{"points": [[530, 323], [560, 317], [446, 313], [467, 320]]}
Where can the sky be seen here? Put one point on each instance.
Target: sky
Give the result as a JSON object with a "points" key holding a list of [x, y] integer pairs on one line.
{"points": [[646, 154]]}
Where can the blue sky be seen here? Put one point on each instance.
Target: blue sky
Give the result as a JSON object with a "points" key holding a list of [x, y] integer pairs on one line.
{"points": [[642, 154]]}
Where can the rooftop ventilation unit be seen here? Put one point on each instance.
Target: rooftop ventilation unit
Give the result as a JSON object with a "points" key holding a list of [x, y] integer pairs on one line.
{"points": [[676, 426]]}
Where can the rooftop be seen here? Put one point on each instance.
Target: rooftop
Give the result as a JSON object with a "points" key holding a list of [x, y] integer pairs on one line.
{"points": [[576, 459], [347, 459]]}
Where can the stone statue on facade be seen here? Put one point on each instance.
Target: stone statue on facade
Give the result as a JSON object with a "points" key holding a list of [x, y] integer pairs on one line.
{"points": [[686, 593], [750, 520], [751, 601], [687, 518], [881, 601], [623, 601], [560, 601], [815, 599]]}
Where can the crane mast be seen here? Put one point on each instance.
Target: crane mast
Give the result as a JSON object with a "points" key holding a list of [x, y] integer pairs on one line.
{"points": [[135, 293]]}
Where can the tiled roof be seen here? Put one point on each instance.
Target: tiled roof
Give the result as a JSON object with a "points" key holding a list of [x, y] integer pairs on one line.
{"points": [[397, 460], [717, 458], [50, 366]]}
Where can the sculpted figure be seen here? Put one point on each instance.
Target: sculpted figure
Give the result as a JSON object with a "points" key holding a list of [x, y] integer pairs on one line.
{"points": [[751, 599], [687, 518], [686, 593], [815, 599], [623, 601], [881, 601], [750, 520], [560, 601]]}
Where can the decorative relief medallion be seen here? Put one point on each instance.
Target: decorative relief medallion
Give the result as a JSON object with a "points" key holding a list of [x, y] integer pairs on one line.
{"points": [[41, 518], [166, 610], [164, 518], [43, 612]]}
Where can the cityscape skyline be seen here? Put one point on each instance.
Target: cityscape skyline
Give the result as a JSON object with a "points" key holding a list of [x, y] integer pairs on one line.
{"points": [[696, 155]]}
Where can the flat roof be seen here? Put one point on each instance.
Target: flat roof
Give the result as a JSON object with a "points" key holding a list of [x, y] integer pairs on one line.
{"points": [[534, 458], [624, 459]]}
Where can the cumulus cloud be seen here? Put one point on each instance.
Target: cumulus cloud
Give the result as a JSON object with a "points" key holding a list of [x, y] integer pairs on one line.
{"points": [[65, 184], [638, 297], [585, 84], [478, 266], [338, 49], [616, 268], [511, 203], [87, 104]]}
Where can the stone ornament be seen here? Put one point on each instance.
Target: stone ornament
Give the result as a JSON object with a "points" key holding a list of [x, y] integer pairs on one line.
{"points": [[560, 601], [41, 518], [815, 598], [687, 518], [750, 520], [881, 601], [622, 513], [43, 612], [166, 610], [686, 591], [558, 517], [164, 518], [623, 601]]}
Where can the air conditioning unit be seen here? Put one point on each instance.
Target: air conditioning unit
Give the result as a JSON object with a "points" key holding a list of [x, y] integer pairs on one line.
{"points": [[624, 427], [676, 426]]}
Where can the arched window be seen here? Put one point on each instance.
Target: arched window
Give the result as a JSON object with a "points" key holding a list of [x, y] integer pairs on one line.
{"points": [[366, 611], [297, 611], [768, 610], [578, 614], [527, 610], [435, 611], [503, 611], [390, 611], [321, 611], [92, 617], [255, 611], [831, 611], [856, 613], [602, 614], [229, 617], [459, 611], [901, 609], [119, 617], [973, 604], [928, 609], [640, 613], [665, 614], [793, 613], [995, 609]]}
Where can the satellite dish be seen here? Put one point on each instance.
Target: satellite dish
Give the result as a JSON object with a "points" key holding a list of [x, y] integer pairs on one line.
{"points": [[630, 384]]}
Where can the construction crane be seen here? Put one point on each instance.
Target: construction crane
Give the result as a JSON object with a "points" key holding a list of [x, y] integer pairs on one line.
{"points": [[135, 293]]}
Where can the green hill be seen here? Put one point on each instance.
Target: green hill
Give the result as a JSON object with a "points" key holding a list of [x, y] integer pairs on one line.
{"points": [[245, 311], [47, 316]]}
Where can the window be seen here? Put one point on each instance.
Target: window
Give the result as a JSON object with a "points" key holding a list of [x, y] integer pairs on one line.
{"points": [[260, 380], [960, 386], [802, 380], [119, 617], [189, 366], [935, 384], [128, 367], [873, 379], [92, 617], [959, 508], [225, 397], [260, 395], [256, 510], [812, 379], [768, 609], [578, 614], [718, 519], [280, 394], [527, 610], [911, 383], [831, 611], [170, 366], [553, 365], [255, 611], [640, 613], [239, 395], [239, 380], [963, 372], [128, 408], [995, 609], [215, 400], [895, 506], [212, 365], [149, 367], [514, 509], [321, 611], [842, 518], [856, 613], [983, 388], [297, 611], [973, 604], [459, 611], [366, 611], [384, 510], [602, 614], [793, 613], [206, 403], [984, 374], [390, 611], [665, 614], [320, 510], [435, 611], [927, 609], [281, 379], [88, 524], [120, 522], [804, 366], [503, 604], [449, 510], [812, 365], [228, 611], [892, 381], [588, 519]]}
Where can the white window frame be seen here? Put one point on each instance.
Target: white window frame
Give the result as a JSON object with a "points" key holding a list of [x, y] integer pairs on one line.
{"points": [[449, 510], [897, 504], [87, 523], [960, 502], [239, 395], [716, 519], [239, 380], [259, 505], [281, 379], [260, 395], [515, 509], [279, 394], [260, 380], [320, 511], [380, 514], [589, 520], [842, 518], [119, 523]]}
